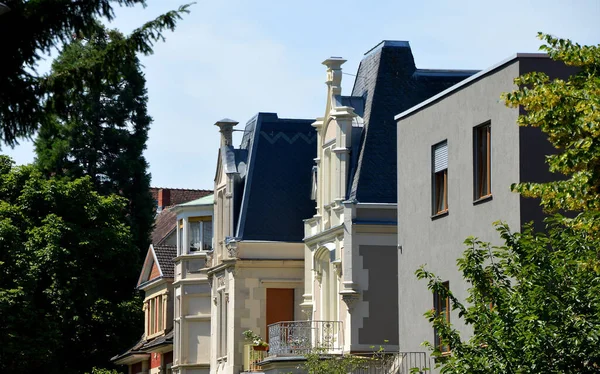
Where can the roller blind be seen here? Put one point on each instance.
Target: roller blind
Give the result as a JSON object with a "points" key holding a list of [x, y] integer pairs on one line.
{"points": [[440, 156]]}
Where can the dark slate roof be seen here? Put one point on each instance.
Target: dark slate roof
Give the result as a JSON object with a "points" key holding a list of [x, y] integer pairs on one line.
{"points": [[165, 255], [146, 346], [389, 83], [274, 164]]}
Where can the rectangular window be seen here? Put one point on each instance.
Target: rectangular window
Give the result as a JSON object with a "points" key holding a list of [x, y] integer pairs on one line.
{"points": [[159, 313], [439, 157], [152, 317], [195, 236], [200, 234], [155, 315], [207, 235], [482, 167], [441, 306]]}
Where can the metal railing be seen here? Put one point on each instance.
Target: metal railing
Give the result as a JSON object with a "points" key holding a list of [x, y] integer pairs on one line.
{"points": [[404, 362], [398, 363], [297, 338], [252, 357]]}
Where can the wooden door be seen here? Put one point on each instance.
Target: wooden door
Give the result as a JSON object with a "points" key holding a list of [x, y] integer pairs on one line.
{"points": [[280, 305]]}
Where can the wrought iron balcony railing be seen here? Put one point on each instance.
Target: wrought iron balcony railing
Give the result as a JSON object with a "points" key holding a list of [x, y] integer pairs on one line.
{"points": [[297, 338]]}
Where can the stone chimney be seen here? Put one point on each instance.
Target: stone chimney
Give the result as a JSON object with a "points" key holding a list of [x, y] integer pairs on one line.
{"points": [[164, 198], [226, 129]]}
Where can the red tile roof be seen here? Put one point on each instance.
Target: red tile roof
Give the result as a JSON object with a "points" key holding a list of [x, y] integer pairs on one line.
{"points": [[180, 195], [166, 219]]}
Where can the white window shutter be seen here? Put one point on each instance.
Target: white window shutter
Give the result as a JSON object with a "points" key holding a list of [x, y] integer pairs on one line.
{"points": [[440, 156]]}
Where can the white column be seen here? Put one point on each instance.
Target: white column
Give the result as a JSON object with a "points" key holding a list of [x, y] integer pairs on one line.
{"points": [[186, 240]]}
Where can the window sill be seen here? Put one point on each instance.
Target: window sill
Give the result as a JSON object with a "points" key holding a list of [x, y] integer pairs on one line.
{"points": [[443, 356], [154, 335], [438, 215], [483, 199]]}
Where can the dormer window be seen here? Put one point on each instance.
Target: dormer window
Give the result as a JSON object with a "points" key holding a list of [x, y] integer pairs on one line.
{"points": [[200, 234], [194, 234]]}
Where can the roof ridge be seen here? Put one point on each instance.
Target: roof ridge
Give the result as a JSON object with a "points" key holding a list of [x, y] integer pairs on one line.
{"points": [[181, 189], [389, 43]]}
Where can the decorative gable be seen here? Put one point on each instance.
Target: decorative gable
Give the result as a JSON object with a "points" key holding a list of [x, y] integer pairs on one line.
{"points": [[151, 269], [333, 163]]}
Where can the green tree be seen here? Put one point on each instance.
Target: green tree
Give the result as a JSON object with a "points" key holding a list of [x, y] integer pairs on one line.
{"points": [[319, 362], [100, 127], [568, 111], [35, 29], [534, 303], [62, 306]]}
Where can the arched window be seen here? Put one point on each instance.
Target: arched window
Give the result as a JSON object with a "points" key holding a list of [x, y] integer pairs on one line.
{"points": [[329, 290]]}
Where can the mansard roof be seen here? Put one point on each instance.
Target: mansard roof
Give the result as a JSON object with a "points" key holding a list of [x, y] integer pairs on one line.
{"points": [[272, 192], [389, 83]]}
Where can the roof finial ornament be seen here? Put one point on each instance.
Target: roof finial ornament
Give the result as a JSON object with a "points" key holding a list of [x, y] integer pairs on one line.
{"points": [[334, 74]]}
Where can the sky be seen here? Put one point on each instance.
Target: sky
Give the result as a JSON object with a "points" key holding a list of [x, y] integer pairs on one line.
{"points": [[235, 58]]}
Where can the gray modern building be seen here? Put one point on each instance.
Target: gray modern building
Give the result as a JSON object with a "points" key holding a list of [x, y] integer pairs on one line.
{"points": [[458, 154]]}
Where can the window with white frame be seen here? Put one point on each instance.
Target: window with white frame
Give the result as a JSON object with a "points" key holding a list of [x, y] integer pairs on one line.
{"points": [[200, 234], [194, 234]]}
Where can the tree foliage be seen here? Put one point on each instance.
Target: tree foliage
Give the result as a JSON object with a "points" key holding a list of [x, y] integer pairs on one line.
{"points": [[533, 305], [534, 302], [99, 126], [318, 362], [35, 29], [568, 111], [62, 307]]}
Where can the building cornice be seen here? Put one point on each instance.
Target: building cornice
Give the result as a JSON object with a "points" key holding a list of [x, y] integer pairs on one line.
{"points": [[323, 234]]}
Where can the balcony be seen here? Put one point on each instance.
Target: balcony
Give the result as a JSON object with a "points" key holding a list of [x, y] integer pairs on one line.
{"points": [[396, 363], [297, 338], [252, 357]]}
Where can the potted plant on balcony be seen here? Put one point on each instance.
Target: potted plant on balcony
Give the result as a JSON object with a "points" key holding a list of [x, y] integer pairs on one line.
{"points": [[257, 342]]}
